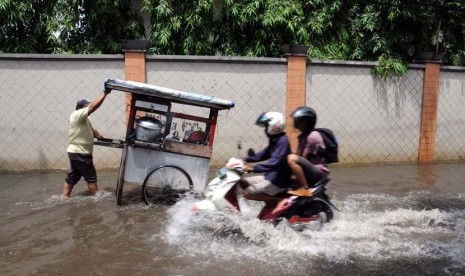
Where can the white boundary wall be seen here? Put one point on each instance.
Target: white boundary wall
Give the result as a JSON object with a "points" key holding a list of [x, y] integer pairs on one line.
{"points": [[375, 121]]}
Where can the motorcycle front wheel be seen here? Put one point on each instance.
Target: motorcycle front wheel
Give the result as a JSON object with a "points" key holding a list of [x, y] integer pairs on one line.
{"points": [[311, 215], [319, 208]]}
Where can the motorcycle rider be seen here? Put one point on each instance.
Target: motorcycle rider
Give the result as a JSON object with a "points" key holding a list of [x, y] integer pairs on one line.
{"points": [[307, 164], [272, 161]]}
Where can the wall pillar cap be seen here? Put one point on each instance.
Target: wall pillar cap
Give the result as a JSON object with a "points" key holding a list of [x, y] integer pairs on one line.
{"points": [[428, 57], [135, 45], [294, 50]]}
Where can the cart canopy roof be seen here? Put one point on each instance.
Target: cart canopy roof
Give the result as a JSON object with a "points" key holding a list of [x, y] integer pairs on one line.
{"points": [[168, 94]]}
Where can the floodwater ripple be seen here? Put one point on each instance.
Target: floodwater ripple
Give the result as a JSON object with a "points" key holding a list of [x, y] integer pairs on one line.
{"points": [[394, 220]]}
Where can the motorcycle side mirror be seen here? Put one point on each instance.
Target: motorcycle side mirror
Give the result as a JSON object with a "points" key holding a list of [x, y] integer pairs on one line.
{"points": [[250, 152]]}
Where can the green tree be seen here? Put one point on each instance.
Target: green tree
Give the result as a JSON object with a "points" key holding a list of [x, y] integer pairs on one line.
{"points": [[260, 27], [181, 27], [389, 31], [74, 26], [96, 26], [25, 26]]}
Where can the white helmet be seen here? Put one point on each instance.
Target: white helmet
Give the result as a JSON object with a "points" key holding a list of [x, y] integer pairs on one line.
{"points": [[272, 121]]}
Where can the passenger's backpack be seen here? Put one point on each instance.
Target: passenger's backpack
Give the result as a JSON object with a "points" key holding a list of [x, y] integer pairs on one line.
{"points": [[332, 146]]}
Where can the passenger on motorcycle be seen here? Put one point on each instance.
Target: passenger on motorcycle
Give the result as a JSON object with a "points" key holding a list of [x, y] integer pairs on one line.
{"points": [[308, 166], [272, 161]]}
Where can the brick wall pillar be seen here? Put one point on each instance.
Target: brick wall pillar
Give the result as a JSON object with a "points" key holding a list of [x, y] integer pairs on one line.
{"points": [[295, 87], [429, 112], [134, 66]]}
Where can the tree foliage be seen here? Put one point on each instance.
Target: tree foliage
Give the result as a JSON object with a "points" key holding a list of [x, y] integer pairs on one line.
{"points": [[392, 31], [96, 26], [181, 27], [389, 31], [25, 26], [73, 26]]}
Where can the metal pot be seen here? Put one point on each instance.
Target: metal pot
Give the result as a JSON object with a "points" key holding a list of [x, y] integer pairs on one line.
{"points": [[149, 129]]}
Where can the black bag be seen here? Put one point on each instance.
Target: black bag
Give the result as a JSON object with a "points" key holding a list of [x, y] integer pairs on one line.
{"points": [[332, 146]]}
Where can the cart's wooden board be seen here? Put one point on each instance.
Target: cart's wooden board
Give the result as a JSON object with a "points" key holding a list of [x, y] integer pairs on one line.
{"points": [[187, 148]]}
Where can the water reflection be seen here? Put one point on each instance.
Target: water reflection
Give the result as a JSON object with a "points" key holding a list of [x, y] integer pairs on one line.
{"points": [[426, 176]]}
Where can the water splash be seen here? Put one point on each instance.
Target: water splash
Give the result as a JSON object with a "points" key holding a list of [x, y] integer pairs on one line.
{"points": [[56, 200], [375, 228]]}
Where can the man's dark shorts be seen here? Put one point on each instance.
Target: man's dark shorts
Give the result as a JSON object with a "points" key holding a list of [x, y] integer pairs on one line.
{"points": [[81, 165]]}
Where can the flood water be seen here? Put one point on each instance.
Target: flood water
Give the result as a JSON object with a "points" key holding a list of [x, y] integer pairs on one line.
{"points": [[394, 220]]}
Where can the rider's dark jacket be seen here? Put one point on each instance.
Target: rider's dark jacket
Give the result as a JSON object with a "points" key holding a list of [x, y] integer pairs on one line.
{"points": [[276, 168]]}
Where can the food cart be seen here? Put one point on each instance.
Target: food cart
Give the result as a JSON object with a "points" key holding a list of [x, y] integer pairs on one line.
{"points": [[169, 139]]}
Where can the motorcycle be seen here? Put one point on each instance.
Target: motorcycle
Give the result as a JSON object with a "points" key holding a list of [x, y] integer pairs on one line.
{"points": [[301, 213]]}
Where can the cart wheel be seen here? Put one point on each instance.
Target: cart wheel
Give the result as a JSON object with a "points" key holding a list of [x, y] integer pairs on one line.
{"points": [[166, 184]]}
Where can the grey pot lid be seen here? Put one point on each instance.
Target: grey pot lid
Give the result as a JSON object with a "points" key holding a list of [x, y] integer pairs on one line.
{"points": [[148, 122]]}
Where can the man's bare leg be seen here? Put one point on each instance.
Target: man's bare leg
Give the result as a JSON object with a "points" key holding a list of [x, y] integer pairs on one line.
{"points": [[300, 175], [93, 188], [67, 188], [297, 170]]}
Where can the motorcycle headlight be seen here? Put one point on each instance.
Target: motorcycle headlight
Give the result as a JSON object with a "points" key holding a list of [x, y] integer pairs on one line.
{"points": [[221, 173]]}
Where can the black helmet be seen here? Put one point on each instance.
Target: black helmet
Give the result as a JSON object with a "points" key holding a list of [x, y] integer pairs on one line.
{"points": [[304, 118]]}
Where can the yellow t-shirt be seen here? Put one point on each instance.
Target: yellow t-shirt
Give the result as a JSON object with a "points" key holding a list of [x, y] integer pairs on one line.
{"points": [[81, 135]]}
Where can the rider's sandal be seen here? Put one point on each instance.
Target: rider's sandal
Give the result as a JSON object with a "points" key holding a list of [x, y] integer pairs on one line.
{"points": [[300, 192]]}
